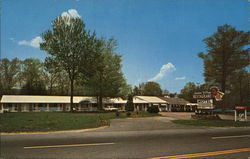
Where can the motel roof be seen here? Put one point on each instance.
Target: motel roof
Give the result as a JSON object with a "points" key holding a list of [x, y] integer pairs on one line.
{"points": [[178, 101], [77, 99], [139, 101], [151, 99], [55, 99]]}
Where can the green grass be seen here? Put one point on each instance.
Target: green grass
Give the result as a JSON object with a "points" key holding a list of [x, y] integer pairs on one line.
{"points": [[213, 123], [53, 121]]}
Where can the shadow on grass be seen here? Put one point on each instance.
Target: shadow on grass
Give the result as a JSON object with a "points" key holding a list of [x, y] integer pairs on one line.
{"points": [[213, 123], [54, 121]]}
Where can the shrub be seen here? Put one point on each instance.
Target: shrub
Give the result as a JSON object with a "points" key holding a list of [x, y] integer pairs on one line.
{"points": [[128, 113], [117, 113], [153, 109], [129, 105]]}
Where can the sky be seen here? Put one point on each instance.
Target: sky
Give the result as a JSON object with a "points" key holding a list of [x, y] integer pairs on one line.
{"points": [[158, 39]]}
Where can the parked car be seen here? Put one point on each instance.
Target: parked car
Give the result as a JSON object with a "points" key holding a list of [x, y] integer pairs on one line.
{"points": [[110, 108], [4, 110]]}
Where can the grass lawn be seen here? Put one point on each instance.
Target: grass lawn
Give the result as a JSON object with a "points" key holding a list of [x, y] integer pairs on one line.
{"points": [[52, 121], [213, 123]]}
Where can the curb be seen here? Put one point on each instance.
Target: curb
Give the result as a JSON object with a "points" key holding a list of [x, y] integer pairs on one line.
{"points": [[54, 132]]}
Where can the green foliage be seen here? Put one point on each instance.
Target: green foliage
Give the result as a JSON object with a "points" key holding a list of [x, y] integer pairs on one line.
{"points": [[108, 80], [227, 53], [129, 107], [153, 109], [190, 88], [32, 77], [9, 73], [238, 91], [128, 114], [148, 89], [71, 47], [137, 91]]}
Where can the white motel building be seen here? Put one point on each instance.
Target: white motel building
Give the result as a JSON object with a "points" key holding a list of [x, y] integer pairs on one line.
{"points": [[39, 103]]}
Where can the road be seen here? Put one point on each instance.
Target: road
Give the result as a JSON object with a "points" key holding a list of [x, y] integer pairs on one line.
{"points": [[132, 138]]}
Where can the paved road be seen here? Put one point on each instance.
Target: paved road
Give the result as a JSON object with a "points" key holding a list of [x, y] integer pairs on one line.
{"points": [[131, 138]]}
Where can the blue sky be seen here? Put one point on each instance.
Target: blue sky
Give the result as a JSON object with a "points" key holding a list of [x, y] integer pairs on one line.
{"points": [[158, 39]]}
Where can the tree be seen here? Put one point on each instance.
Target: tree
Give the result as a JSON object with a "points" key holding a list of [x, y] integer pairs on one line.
{"points": [[9, 72], [56, 81], [165, 92], [227, 53], [32, 72], [187, 92], [129, 107], [238, 89], [190, 88], [137, 91], [71, 47], [108, 80], [151, 89]]}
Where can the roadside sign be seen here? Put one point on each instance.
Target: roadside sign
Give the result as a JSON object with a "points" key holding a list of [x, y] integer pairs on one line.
{"points": [[240, 108], [240, 113], [202, 95]]}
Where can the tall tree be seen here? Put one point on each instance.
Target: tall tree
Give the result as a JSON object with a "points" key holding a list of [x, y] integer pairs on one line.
{"points": [[187, 92], [71, 47], [9, 73], [56, 81], [227, 52], [32, 76], [151, 89], [137, 91], [190, 88], [108, 80], [238, 89]]}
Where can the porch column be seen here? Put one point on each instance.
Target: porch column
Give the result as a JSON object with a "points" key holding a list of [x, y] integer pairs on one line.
{"points": [[30, 107], [58, 107], [235, 115], [47, 107], [37, 107], [245, 114], [2, 106]]}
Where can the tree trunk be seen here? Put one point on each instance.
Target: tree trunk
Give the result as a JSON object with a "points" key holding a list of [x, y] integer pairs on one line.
{"points": [[223, 89], [223, 81], [100, 102], [71, 94], [51, 85], [240, 82]]}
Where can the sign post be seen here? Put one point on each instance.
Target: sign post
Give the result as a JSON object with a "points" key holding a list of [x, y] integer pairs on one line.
{"points": [[205, 100], [240, 113]]}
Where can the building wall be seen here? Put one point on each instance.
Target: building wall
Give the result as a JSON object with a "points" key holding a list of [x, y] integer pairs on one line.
{"points": [[44, 107]]}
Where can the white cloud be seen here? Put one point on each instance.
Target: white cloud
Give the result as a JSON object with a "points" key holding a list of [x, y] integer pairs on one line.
{"points": [[33, 43], [169, 67], [12, 39], [180, 78], [71, 13]]}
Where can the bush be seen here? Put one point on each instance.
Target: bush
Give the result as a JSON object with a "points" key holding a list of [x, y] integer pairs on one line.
{"points": [[117, 113], [129, 105], [128, 114], [153, 109]]}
